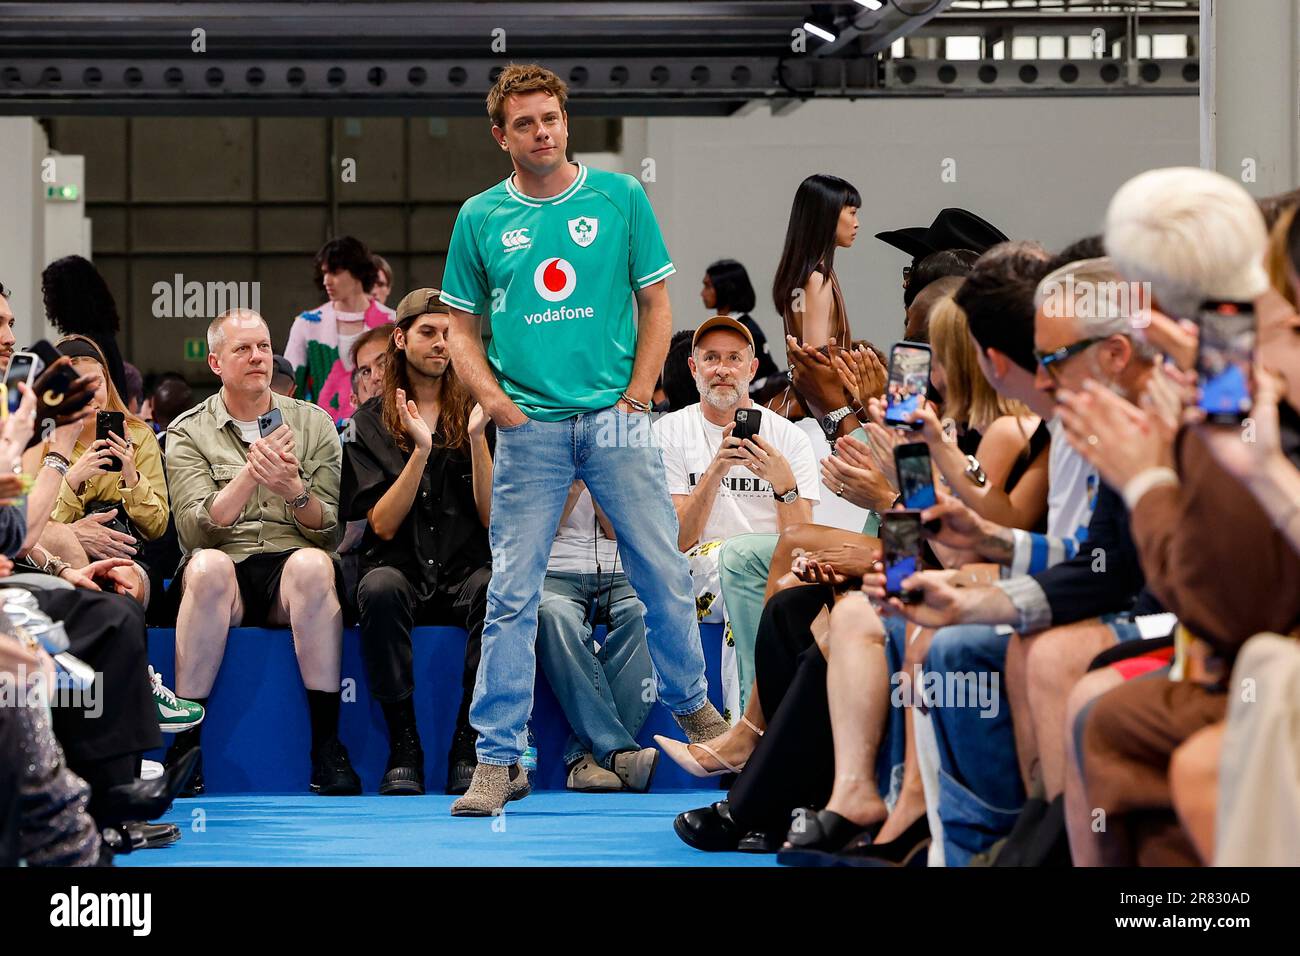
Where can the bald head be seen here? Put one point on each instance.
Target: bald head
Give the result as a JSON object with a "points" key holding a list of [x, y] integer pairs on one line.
{"points": [[235, 318], [918, 313]]}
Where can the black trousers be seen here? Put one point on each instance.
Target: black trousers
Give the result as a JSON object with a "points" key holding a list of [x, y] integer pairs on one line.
{"points": [[103, 744], [389, 609], [794, 763], [10, 771]]}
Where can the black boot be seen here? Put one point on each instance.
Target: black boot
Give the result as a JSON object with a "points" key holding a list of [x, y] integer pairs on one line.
{"points": [[462, 760], [405, 771]]}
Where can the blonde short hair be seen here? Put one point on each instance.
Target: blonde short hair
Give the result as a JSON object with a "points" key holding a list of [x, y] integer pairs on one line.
{"points": [[217, 327]]}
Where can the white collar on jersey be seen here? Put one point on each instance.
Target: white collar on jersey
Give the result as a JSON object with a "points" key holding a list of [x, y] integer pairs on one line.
{"points": [[555, 200]]}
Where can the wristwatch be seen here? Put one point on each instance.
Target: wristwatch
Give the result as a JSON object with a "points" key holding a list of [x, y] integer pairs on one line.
{"points": [[789, 498], [301, 500], [975, 471], [831, 422]]}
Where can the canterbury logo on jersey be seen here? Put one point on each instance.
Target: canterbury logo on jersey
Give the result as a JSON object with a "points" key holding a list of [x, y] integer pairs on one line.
{"points": [[516, 239]]}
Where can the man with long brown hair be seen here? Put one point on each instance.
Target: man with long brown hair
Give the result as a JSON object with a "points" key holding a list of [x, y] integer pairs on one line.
{"points": [[418, 470]]}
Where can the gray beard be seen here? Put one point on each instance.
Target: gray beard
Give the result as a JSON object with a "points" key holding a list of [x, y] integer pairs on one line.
{"points": [[721, 402]]}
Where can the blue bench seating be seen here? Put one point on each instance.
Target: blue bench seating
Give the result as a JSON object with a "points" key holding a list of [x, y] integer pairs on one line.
{"points": [[257, 734]]}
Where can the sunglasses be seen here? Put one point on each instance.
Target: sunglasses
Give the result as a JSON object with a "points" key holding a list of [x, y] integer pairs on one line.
{"points": [[1048, 359]]}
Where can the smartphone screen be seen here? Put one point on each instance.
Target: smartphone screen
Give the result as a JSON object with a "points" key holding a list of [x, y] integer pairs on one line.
{"points": [[269, 422], [747, 423], [915, 476], [900, 536], [114, 422], [909, 380], [22, 368], [1223, 360]]}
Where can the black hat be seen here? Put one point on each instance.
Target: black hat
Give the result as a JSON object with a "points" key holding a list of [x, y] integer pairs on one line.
{"points": [[952, 229]]}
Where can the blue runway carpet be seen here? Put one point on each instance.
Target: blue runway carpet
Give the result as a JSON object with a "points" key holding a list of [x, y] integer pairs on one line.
{"points": [[548, 828]]}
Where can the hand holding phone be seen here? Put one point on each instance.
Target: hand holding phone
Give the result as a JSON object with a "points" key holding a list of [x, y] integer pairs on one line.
{"points": [[1224, 356], [106, 424], [916, 479], [900, 535], [908, 384], [748, 421]]}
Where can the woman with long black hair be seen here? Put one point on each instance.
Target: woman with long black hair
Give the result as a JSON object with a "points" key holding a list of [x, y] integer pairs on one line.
{"points": [[806, 292]]}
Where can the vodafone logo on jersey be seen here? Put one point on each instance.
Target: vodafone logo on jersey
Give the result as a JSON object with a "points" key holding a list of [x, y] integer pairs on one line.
{"points": [[555, 279]]}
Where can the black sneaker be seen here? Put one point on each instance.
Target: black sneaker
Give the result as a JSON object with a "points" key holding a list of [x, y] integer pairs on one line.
{"points": [[461, 761], [331, 771], [405, 771]]}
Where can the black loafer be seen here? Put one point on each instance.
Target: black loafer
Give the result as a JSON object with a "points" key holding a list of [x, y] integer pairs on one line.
{"points": [[148, 836], [759, 841], [149, 799], [709, 828]]}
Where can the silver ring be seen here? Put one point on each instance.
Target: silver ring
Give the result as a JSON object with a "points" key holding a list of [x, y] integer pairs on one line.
{"points": [[1093, 439]]}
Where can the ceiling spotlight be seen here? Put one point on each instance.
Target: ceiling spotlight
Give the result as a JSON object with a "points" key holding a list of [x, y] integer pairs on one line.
{"points": [[817, 31]]}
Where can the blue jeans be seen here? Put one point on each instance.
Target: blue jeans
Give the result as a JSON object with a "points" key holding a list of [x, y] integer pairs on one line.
{"points": [[536, 463], [980, 791], [603, 692]]}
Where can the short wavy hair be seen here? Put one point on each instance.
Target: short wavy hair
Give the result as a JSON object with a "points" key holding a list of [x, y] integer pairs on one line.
{"points": [[346, 253], [518, 79]]}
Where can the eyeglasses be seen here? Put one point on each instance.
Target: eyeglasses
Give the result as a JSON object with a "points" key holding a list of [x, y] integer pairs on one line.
{"points": [[1047, 359]]}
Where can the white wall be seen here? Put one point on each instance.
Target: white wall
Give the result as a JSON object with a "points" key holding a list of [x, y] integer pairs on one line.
{"points": [[22, 222], [1036, 168]]}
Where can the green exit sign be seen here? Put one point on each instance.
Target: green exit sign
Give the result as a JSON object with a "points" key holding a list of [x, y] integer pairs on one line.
{"points": [[62, 193], [196, 350]]}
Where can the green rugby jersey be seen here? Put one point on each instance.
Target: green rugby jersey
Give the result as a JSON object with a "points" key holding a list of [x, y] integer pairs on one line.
{"points": [[555, 281]]}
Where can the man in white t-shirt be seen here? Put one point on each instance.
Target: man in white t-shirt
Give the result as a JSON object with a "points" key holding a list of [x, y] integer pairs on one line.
{"points": [[722, 486], [601, 687]]}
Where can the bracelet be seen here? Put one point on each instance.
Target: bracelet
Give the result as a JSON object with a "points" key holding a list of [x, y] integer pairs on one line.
{"points": [[57, 462], [1147, 479], [639, 406], [55, 454]]}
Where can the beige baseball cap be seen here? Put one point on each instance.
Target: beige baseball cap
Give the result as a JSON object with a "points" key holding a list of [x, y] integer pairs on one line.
{"points": [[722, 322]]}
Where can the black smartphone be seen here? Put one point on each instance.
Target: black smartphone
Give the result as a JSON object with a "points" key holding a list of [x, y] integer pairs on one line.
{"points": [[916, 479], [747, 423], [1224, 353], [23, 367], [114, 422], [909, 381], [900, 536], [269, 422], [54, 390]]}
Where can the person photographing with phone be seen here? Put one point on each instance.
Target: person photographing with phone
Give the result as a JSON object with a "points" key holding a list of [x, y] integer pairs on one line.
{"points": [[732, 469], [114, 494]]}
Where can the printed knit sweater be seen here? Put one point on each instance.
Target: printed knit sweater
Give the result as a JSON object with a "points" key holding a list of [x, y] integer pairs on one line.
{"points": [[323, 375]]}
